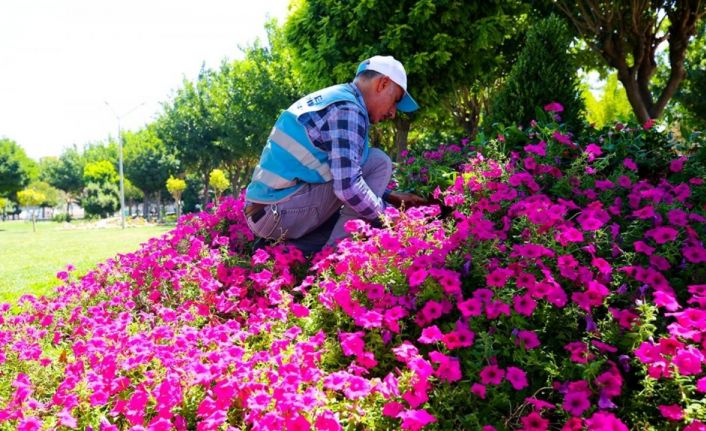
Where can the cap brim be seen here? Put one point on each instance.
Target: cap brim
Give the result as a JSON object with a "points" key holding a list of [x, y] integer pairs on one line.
{"points": [[407, 104]]}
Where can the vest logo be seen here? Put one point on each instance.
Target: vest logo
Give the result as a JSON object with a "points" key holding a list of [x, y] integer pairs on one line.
{"points": [[314, 100]]}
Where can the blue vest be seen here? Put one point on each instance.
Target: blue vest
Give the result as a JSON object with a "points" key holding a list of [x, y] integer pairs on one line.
{"points": [[289, 159]]}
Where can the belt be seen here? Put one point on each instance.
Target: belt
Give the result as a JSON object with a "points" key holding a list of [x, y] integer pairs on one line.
{"points": [[254, 210]]}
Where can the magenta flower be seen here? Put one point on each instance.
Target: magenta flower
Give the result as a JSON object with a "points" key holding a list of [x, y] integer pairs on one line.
{"points": [[327, 421], [478, 390], [415, 420], [517, 378], [662, 234], [630, 164], [554, 107], [602, 421], [527, 340], [672, 412], [534, 422], [492, 375]]}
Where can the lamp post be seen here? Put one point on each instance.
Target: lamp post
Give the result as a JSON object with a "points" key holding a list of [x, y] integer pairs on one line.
{"points": [[120, 159]]}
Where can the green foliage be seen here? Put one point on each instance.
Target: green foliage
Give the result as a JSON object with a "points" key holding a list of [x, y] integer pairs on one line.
{"points": [[691, 93], [218, 182], [30, 198], [100, 172], [52, 195], [460, 41], [188, 127], [444, 46], [176, 186], [544, 73], [16, 169], [100, 199], [613, 105], [148, 163], [67, 173]]}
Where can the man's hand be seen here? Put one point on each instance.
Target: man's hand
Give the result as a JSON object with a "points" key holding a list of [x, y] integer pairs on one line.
{"points": [[398, 199]]}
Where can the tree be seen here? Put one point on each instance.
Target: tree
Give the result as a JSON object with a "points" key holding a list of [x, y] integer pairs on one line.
{"points": [[189, 130], [16, 169], [101, 196], [247, 97], [51, 194], [66, 175], [132, 195], [691, 93], [542, 74], [612, 106], [218, 182], [629, 34], [176, 187], [443, 45], [148, 163], [30, 199]]}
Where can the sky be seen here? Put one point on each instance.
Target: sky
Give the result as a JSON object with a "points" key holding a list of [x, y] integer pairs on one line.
{"points": [[72, 71]]}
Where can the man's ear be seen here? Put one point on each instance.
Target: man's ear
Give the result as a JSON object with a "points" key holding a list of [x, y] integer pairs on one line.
{"points": [[382, 83]]}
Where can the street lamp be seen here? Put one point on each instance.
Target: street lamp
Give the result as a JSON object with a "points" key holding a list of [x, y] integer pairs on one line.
{"points": [[120, 159]]}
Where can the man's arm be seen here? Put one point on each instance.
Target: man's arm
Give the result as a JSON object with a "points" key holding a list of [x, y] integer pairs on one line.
{"points": [[346, 130]]}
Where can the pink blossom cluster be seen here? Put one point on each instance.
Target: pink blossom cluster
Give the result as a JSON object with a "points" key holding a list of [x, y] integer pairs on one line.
{"points": [[526, 308]]}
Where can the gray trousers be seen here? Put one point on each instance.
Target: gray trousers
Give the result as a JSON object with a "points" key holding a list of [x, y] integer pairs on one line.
{"points": [[314, 204]]}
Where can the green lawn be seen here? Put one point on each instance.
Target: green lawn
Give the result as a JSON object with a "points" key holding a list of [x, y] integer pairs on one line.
{"points": [[30, 260]]}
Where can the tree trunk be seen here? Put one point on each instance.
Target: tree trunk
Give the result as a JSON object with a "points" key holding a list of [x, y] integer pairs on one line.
{"points": [[402, 125], [205, 189], [160, 207], [146, 206]]}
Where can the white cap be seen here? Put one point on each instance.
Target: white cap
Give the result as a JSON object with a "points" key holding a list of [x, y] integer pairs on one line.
{"points": [[388, 66]]}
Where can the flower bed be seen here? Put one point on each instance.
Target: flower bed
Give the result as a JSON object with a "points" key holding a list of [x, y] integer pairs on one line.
{"points": [[564, 289]]}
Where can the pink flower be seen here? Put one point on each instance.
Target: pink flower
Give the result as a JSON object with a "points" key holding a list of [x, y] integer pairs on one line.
{"points": [[479, 390], [672, 412], [297, 423], [688, 361], [352, 343], [470, 307], [648, 124], [677, 165], [701, 385], [356, 388], [498, 277], [524, 304], [554, 107], [563, 139], [539, 149], [604, 421], [534, 422], [517, 378], [415, 420], [662, 234], [327, 421], [492, 375], [430, 334], [576, 402], [527, 339], [695, 426], [630, 164]]}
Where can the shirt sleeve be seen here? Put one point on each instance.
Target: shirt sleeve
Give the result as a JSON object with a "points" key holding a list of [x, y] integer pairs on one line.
{"points": [[345, 128]]}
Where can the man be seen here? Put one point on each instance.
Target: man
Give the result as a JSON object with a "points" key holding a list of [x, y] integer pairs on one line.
{"points": [[317, 160]]}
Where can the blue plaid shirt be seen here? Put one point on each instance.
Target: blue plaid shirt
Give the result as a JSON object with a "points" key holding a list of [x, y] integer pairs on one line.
{"points": [[340, 130]]}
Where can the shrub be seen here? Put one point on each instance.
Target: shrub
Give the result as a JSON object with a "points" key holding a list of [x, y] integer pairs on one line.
{"points": [[561, 291], [543, 73]]}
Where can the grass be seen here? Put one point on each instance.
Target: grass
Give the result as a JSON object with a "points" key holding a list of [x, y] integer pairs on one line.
{"points": [[30, 260]]}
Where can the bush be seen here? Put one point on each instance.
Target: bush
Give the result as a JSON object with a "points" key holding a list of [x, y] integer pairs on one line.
{"points": [[543, 73], [561, 291], [62, 218]]}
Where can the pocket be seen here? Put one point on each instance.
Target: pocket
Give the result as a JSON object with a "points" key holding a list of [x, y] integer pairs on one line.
{"points": [[266, 225], [297, 222]]}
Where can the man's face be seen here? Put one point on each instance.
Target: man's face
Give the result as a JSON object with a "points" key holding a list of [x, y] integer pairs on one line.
{"points": [[386, 95]]}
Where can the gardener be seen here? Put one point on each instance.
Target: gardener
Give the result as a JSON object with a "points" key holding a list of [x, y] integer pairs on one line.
{"points": [[317, 161]]}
